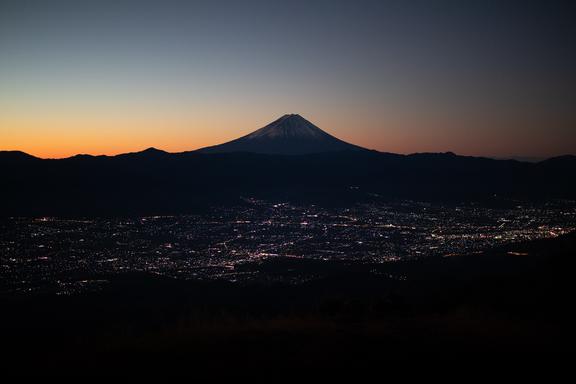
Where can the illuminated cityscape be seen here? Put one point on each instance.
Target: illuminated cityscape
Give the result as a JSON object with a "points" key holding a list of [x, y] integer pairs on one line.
{"points": [[65, 256]]}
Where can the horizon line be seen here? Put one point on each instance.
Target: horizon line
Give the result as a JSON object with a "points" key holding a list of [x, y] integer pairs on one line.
{"points": [[528, 159]]}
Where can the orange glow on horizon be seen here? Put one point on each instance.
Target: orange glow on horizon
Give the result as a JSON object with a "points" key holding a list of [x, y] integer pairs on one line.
{"points": [[53, 136]]}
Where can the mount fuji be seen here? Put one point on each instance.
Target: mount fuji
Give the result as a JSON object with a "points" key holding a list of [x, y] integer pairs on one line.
{"points": [[289, 135]]}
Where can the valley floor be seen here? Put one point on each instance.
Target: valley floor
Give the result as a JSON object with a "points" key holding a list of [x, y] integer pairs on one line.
{"points": [[510, 306]]}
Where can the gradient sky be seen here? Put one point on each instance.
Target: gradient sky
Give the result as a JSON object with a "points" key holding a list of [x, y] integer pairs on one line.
{"points": [[493, 78]]}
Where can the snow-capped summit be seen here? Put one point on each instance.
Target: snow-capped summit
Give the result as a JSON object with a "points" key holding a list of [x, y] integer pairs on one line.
{"points": [[289, 135]]}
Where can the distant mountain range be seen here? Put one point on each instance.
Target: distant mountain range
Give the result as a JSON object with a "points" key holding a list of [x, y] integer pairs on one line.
{"points": [[289, 159]]}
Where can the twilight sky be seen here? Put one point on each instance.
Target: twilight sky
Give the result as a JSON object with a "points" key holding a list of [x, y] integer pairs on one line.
{"points": [[493, 78]]}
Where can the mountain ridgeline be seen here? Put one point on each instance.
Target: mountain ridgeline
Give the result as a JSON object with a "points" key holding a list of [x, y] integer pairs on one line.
{"points": [[289, 159]]}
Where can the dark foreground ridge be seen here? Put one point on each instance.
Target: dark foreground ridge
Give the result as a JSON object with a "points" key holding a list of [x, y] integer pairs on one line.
{"points": [[509, 307]]}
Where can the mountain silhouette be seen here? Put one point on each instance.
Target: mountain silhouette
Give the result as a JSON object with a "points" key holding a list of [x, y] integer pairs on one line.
{"points": [[289, 135], [290, 159]]}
